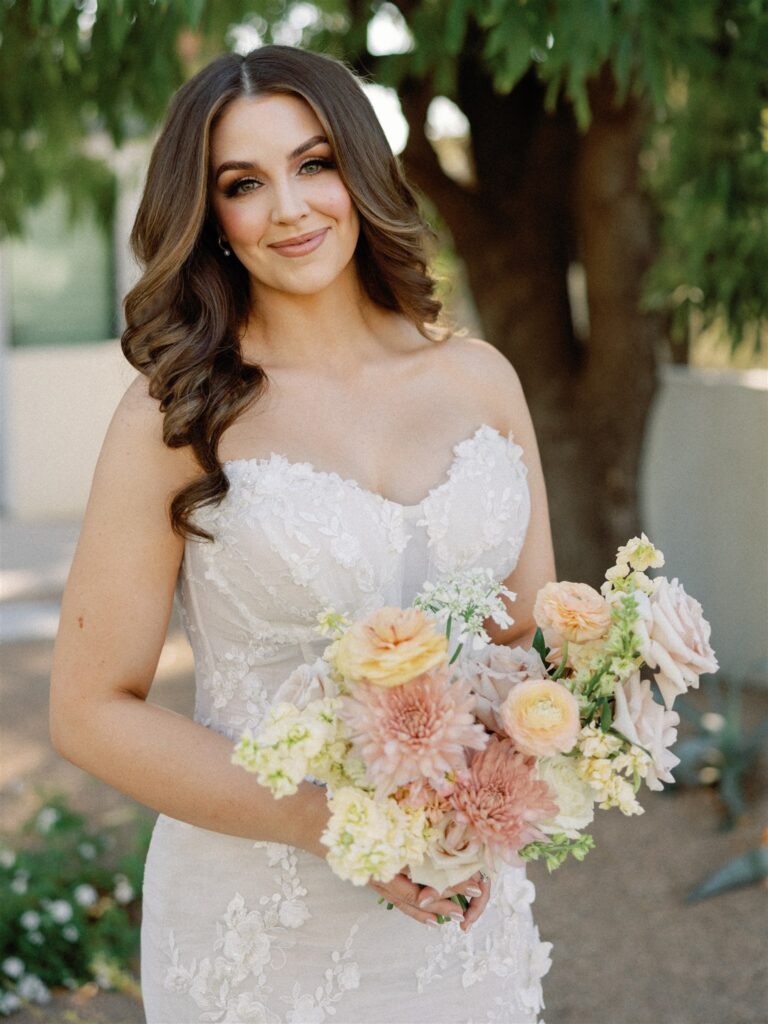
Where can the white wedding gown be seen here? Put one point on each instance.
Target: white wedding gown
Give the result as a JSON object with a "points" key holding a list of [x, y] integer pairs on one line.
{"points": [[240, 931]]}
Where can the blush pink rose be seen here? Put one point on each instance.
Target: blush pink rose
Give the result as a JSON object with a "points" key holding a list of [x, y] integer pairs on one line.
{"points": [[492, 673], [677, 644]]}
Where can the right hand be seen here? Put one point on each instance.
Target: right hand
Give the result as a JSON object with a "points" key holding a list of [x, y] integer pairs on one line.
{"points": [[406, 896]]}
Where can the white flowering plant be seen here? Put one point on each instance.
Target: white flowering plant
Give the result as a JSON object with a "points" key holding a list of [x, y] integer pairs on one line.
{"points": [[69, 906]]}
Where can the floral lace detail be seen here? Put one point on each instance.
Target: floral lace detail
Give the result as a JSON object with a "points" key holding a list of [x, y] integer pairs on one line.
{"points": [[249, 942], [484, 513], [342, 977], [510, 949]]}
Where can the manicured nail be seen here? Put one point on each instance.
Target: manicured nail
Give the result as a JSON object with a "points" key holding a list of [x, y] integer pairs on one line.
{"points": [[472, 891], [425, 901], [456, 916], [431, 923]]}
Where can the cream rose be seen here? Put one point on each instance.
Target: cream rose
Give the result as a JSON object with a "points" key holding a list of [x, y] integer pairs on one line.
{"points": [[307, 683], [677, 642], [574, 611], [493, 672], [647, 724], [574, 796], [390, 647], [542, 717], [451, 857]]}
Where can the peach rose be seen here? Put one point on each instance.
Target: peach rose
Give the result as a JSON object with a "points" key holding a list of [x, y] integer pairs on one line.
{"points": [[542, 717], [574, 611], [390, 647]]}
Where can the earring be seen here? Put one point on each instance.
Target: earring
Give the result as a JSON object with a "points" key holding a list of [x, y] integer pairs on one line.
{"points": [[224, 247]]}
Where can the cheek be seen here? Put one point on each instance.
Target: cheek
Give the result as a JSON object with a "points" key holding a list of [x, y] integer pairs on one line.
{"points": [[241, 220], [338, 204]]}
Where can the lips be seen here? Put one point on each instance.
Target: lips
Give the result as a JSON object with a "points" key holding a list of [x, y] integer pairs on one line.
{"points": [[299, 240]]}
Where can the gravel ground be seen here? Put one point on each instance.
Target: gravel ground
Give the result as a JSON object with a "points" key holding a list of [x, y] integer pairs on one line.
{"points": [[627, 950]]}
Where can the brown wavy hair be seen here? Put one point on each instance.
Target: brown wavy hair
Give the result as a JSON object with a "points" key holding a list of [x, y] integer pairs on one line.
{"points": [[185, 316]]}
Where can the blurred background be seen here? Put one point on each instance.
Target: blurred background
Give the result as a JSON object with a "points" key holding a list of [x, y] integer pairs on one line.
{"points": [[597, 174]]}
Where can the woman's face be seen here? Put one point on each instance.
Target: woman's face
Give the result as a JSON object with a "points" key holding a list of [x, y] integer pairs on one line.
{"points": [[274, 180]]}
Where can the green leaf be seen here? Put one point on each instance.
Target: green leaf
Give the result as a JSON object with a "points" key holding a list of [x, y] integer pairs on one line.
{"points": [[539, 646], [606, 716]]}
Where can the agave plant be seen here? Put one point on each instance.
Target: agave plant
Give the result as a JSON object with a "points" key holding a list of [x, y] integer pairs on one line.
{"points": [[720, 752], [747, 869]]}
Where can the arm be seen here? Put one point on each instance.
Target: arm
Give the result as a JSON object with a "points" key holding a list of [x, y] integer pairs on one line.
{"points": [[114, 616]]}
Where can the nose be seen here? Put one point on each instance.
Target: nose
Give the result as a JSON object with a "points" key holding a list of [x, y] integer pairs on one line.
{"points": [[289, 205]]}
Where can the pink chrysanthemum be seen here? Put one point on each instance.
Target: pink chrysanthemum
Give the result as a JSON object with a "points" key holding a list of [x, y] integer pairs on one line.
{"points": [[502, 801], [414, 731]]}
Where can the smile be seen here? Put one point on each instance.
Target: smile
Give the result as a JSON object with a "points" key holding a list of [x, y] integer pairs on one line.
{"points": [[304, 244]]}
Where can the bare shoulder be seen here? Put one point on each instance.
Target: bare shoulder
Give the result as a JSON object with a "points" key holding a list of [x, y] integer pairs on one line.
{"points": [[135, 436], [486, 378]]}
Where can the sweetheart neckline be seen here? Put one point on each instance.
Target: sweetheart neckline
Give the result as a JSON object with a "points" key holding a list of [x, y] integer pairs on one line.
{"points": [[330, 474]]}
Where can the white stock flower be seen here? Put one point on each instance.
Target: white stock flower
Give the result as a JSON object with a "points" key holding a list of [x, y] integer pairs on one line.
{"points": [[30, 920], [7, 858], [573, 795], [87, 850], [647, 724], [70, 933], [370, 839], [282, 753]]}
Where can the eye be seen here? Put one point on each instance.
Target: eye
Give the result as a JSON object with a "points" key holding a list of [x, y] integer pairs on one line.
{"points": [[320, 163], [240, 186]]}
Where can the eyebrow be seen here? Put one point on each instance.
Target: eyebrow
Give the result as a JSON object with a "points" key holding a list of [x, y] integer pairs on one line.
{"points": [[245, 165]]}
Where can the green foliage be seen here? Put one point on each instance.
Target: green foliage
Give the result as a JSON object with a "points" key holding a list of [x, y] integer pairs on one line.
{"points": [[71, 68], [720, 752], [70, 907], [555, 850]]}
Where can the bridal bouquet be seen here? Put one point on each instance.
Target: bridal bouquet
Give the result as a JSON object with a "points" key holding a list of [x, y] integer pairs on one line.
{"points": [[444, 754]]}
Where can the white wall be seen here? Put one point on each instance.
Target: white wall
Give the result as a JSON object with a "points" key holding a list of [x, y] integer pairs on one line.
{"points": [[704, 476], [60, 402], [704, 502]]}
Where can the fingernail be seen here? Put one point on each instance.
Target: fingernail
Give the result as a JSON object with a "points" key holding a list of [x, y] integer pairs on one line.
{"points": [[472, 891], [456, 916], [431, 923], [425, 901]]}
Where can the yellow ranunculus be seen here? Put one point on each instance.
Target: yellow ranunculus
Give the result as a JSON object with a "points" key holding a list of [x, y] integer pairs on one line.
{"points": [[542, 717]]}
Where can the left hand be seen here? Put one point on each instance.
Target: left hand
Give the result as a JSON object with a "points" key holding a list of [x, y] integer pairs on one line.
{"points": [[476, 889]]}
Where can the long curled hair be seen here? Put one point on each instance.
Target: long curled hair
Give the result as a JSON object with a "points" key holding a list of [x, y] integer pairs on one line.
{"points": [[185, 316]]}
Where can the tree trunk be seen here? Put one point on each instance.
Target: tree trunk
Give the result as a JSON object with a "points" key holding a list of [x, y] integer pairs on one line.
{"points": [[546, 197]]}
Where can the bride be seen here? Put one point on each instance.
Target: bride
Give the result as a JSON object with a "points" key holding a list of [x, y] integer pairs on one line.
{"points": [[300, 434]]}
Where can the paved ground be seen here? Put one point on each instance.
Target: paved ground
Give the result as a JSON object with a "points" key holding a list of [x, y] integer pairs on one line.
{"points": [[627, 948]]}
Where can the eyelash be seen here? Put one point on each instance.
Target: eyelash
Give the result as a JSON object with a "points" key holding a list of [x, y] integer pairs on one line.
{"points": [[235, 189]]}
